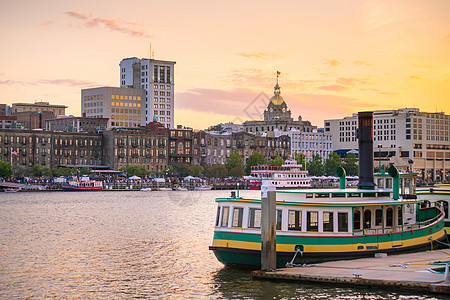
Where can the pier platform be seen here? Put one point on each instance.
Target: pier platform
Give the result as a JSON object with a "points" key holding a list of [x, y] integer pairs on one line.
{"points": [[402, 271]]}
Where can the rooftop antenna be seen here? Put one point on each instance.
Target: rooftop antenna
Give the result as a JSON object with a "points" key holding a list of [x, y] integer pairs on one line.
{"points": [[150, 54]]}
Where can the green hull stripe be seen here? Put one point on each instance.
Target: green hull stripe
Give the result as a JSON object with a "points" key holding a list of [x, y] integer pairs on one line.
{"points": [[331, 240]]}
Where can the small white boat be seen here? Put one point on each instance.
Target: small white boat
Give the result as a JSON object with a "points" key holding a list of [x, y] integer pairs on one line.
{"points": [[146, 190], [203, 188], [12, 190], [164, 189], [180, 188]]}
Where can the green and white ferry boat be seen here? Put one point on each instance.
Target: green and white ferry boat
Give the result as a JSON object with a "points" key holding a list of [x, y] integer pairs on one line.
{"points": [[330, 224]]}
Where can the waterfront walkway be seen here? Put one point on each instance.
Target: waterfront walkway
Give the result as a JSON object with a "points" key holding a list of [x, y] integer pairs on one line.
{"points": [[403, 271]]}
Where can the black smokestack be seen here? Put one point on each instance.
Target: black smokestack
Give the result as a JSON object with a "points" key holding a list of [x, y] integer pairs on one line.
{"points": [[365, 141]]}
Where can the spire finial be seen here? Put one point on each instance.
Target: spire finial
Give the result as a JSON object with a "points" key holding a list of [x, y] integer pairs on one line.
{"points": [[278, 75]]}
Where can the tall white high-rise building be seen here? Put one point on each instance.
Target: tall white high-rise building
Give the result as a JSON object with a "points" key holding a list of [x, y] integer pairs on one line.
{"points": [[156, 77]]}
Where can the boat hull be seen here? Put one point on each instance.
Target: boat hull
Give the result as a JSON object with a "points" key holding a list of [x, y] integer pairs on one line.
{"points": [[68, 187], [244, 251]]}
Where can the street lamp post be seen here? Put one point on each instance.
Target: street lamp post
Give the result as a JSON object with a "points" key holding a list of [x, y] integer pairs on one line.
{"points": [[379, 158], [237, 189]]}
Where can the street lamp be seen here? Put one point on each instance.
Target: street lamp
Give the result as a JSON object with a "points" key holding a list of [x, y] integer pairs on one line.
{"points": [[379, 158], [237, 189]]}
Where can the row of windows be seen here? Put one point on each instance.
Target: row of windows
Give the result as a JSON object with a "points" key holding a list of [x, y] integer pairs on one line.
{"points": [[126, 111], [121, 117], [126, 104], [126, 124], [162, 106], [125, 97], [162, 100], [93, 97]]}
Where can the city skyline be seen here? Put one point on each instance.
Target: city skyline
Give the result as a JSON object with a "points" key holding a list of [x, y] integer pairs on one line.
{"points": [[335, 58]]}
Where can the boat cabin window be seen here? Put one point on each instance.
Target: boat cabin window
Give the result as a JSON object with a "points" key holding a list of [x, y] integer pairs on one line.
{"points": [[353, 195], [225, 212], [279, 215], [312, 221], [378, 217], [342, 222], [444, 205], [425, 203], [322, 195], [367, 219], [218, 216], [389, 217], [400, 215], [357, 220], [295, 220], [384, 194], [336, 195], [369, 195], [254, 220], [238, 213], [328, 221]]}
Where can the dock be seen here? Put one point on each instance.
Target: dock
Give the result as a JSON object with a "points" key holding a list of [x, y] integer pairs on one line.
{"points": [[402, 271]]}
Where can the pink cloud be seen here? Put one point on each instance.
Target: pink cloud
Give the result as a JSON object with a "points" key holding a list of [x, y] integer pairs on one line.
{"points": [[333, 87], [118, 25], [46, 23], [67, 82], [331, 62]]}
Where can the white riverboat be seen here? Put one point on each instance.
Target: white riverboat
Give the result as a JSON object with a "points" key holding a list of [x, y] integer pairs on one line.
{"points": [[289, 175]]}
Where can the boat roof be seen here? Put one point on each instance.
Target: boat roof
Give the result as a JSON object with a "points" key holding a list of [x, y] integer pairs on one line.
{"points": [[334, 191]]}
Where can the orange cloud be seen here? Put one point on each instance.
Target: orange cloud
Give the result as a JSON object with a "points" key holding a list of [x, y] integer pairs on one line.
{"points": [[415, 77], [351, 81], [331, 62], [424, 66], [333, 87], [261, 55], [362, 63], [111, 24]]}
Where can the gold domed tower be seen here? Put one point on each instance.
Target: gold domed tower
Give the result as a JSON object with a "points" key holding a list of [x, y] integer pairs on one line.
{"points": [[277, 108]]}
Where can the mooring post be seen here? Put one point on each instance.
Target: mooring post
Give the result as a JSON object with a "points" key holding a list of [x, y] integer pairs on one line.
{"points": [[268, 226]]}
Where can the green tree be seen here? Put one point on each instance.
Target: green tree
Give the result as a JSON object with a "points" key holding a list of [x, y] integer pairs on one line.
{"points": [[315, 167], [300, 158], [47, 172], [63, 172], [236, 172], [85, 171], [331, 163], [235, 160], [36, 171], [196, 171], [255, 159], [5, 169], [277, 161], [216, 171], [135, 170], [181, 170], [350, 166]]}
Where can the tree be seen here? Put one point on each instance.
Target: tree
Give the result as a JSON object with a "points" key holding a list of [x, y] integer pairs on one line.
{"points": [[331, 163], [216, 171], [47, 172], [5, 169], [277, 161], [235, 160], [236, 172], [255, 159], [36, 171], [315, 167], [300, 158], [135, 170], [181, 170], [350, 166], [85, 171], [196, 171]]}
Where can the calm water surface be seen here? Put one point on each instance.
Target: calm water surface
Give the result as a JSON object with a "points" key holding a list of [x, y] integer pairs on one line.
{"points": [[103, 245]]}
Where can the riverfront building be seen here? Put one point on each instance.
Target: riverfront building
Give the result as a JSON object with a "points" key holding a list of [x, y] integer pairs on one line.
{"points": [[277, 116], [146, 146], [406, 137], [180, 146], [124, 107], [311, 143], [156, 78], [27, 148], [39, 107], [77, 124]]}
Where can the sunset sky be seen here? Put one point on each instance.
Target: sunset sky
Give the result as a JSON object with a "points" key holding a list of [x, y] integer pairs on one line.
{"points": [[335, 57]]}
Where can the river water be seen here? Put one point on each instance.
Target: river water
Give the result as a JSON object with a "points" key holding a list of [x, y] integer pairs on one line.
{"points": [[106, 245]]}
